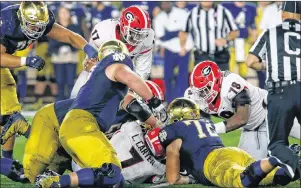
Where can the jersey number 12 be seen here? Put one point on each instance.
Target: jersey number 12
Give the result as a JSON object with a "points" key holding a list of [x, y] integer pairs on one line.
{"points": [[204, 130]]}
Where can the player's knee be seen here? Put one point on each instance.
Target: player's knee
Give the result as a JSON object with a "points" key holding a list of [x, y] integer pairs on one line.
{"points": [[108, 175], [33, 165]]}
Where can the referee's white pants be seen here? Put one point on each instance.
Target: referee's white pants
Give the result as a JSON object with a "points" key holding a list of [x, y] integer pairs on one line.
{"points": [[255, 142], [81, 80]]}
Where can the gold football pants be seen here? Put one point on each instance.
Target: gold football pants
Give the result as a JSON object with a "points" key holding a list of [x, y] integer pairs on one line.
{"points": [[223, 167], [42, 143], [82, 139], [9, 100]]}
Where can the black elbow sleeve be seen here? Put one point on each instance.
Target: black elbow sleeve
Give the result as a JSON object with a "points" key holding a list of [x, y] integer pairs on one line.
{"points": [[241, 99], [136, 109]]}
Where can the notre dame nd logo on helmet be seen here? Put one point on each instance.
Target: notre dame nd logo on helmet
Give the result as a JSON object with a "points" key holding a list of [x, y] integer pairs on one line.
{"points": [[129, 16], [206, 71]]}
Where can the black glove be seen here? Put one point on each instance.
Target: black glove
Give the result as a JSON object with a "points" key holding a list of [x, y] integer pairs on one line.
{"points": [[35, 62], [158, 109], [155, 104]]}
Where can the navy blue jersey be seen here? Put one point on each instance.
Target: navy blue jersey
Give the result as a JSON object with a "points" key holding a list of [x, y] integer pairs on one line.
{"points": [[101, 96], [61, 108], [199, 138], [11, 35]]}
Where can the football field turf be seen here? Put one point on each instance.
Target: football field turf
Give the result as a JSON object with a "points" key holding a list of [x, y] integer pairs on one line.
{"points": [[229, 139]]}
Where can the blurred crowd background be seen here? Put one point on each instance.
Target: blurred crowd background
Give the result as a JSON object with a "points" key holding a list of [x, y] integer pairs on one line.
{"points": [[63, 63]]}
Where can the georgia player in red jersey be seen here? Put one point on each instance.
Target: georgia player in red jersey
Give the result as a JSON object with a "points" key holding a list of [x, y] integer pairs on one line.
{"points": [[134, 29]]}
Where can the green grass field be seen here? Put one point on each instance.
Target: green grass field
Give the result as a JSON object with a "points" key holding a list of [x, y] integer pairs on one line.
{"points": [[229, 139]]}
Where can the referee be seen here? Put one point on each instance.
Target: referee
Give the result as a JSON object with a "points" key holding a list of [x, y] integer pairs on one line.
{"points": [[212, 27], [280, 47]]}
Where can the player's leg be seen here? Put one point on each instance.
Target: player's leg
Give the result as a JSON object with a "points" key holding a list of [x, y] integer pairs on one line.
{"points": [[255, 142], [169, 82], [13, 170], [70, 76], [226, 167], [13, 121], [90, 149], [281, 114], [42, 143], [59, 75], [182, 78]]}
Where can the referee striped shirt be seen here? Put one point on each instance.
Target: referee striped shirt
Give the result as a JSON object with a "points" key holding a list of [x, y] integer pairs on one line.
{"points": [[280, 47], [207, 26]]}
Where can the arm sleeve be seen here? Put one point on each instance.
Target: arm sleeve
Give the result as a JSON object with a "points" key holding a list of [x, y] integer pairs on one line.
{"points": [[241, 99], [229, 20], [259, 47]]}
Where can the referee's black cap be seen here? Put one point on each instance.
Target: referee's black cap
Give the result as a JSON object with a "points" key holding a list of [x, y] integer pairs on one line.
{"points": [[292, 6]]}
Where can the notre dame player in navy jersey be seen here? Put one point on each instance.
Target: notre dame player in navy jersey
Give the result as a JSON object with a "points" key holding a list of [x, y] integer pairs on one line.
{"points": [[92, 113], [20, 26], [193, 144]]}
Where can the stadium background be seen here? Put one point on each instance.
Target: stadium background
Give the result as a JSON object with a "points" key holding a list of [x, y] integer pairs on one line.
{"points": [[38, 88], [84, 15]]}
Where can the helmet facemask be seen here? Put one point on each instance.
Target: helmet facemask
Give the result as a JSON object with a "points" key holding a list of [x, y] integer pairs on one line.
{"points": [[135, 36], [205, 94], [33, 30]]}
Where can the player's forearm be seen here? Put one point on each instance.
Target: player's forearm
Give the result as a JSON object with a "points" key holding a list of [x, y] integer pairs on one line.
{"points": [[235, 122], [76, 40], [232, 35], [10, 61], [183, 38], [138, 86]]}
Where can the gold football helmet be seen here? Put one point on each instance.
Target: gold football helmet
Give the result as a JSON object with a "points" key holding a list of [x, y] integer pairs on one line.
{"points": [[34, 17], [112, 46], [183, 109]]}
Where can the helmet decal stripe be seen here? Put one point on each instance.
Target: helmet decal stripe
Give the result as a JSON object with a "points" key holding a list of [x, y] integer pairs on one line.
{"points": [[144, 16], [192, 74], [157, 90]]}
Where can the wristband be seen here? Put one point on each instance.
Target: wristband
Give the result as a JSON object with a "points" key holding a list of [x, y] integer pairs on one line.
{"points": [[220, 127], [23, 61]]}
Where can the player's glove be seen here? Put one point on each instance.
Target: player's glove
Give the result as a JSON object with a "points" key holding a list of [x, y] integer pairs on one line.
{"points": [[35, 62], [157, 108], [90, 51]]}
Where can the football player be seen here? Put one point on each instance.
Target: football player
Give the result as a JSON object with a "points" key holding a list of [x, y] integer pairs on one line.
{"points": [[82, 130], [21, 25], [134, 29], [138, 160], [191, 142], [46, 122], [239, 103]]}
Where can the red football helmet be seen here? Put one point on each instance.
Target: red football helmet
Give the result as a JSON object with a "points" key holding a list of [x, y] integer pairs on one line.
{"points": [[156, 90], [153, 142], [206, 79], [134, 25]]}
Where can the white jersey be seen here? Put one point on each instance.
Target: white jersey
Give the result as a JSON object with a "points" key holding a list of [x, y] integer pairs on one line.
{"points": [[141, 54], [138, 164], [233, 84]]}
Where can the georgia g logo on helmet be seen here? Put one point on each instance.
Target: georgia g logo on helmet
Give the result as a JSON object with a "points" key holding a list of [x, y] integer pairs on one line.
{"points": [[206, 71], [129, 16]]}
